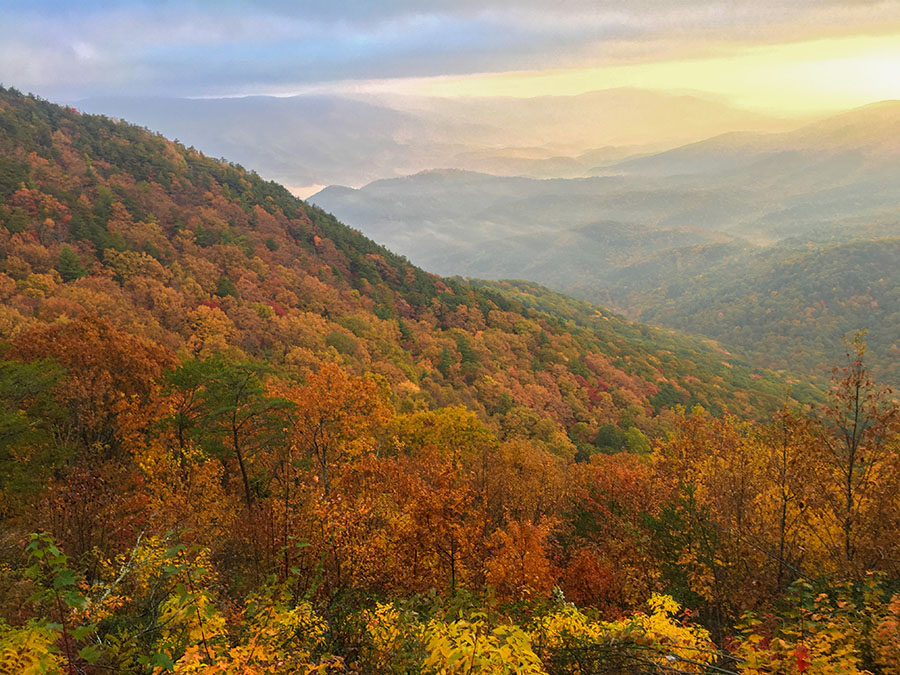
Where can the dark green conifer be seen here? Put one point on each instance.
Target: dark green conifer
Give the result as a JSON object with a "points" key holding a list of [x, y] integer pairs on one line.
{"points": [[69, 265]]}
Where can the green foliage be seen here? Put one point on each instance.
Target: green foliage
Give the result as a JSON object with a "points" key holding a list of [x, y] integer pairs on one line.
{"points": [[55, 581], [69, 265], [27, 417], [790, 305], [225, 287], [686, 542], [58, 592], [343, 343], [14, 218], [227, 411], [636, 441], [610, 438], [12, 175]]}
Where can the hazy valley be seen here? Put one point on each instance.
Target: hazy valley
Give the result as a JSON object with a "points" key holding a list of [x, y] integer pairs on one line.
{"points": [[701, 238]]}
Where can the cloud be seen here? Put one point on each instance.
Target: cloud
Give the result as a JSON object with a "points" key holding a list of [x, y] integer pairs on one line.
{"points": [[95, 47]]}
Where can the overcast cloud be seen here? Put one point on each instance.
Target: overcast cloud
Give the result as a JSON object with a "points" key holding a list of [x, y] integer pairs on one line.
{"points": [[69, 50]]}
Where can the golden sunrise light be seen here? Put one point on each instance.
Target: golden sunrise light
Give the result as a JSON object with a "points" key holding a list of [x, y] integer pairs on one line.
{"points": [[787, 79]]}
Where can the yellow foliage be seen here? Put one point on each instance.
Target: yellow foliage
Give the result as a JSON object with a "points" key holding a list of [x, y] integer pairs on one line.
{"points": [[388, 629], [276, 639], [690, 645], [823, 641], [472, 647], [193, 616], [661, 638], [285, 636], [397, 639], [29, 650], [557, 629], [143, 565]]}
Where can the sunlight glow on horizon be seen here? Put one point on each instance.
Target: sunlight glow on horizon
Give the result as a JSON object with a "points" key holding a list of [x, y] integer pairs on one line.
{"points": [[794, 79]]}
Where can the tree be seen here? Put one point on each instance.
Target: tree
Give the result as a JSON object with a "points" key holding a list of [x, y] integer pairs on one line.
{"points": [[239, 416], [788, 447], [69, 265], [859, 468], [520, 568], [334, 415], [105, 369], [28, 415]]}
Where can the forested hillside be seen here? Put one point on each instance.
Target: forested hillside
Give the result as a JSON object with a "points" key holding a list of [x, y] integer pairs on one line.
{"points": [[237, 436], [793, 305]]}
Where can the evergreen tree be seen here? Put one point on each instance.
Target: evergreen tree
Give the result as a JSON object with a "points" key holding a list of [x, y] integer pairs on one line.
{"points": [[69, 265]]}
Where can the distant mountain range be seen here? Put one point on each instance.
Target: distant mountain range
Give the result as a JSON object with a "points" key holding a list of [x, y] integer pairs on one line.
{"points": [[706, 237], [312, 140]]}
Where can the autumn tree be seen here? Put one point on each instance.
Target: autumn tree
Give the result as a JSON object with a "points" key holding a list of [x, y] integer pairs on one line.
{"points": [[334, 415], [605, 541], [858, 471], [788, 446], [104, 368], [520, 567]]}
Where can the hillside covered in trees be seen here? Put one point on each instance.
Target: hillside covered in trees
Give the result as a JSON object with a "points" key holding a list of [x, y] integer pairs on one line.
{"points": [[787, 305], [237, 436]]}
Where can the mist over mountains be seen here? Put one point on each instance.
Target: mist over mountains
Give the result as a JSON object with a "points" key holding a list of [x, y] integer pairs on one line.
{"points": [[312, 140], [707, 237], [470, 336]]}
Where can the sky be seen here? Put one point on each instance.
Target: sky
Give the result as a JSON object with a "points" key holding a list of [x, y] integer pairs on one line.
{"points": [[788, 57]]}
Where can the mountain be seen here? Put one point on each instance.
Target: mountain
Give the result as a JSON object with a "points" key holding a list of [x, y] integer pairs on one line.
{"points": [[760, 187], [302, 141], [494, 227], [658, 236], [309, 140], [803, 182]]}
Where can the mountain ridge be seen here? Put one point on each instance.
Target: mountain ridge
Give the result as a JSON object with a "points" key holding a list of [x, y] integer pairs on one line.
{"points": [[303, 140]]}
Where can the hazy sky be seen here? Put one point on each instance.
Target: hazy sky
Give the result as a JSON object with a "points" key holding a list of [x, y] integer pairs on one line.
{"points": [[789, 56]]}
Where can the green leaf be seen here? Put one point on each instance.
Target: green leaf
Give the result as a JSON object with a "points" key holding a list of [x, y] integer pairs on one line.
{"points": [[89, 653], [82, 632], [74, 599], [64, 578], [37, 596], [163, 660], [173, 551]]}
